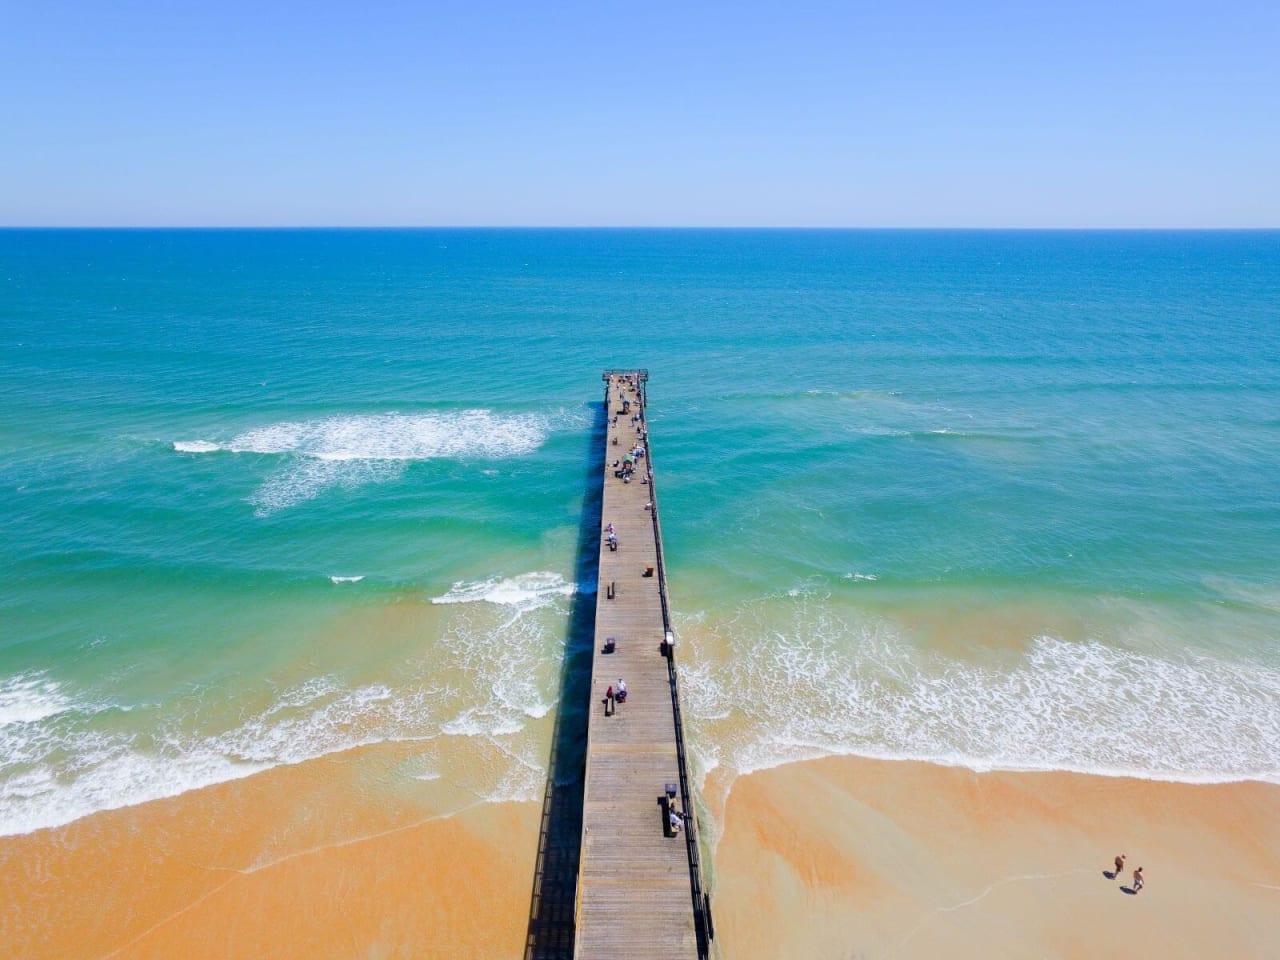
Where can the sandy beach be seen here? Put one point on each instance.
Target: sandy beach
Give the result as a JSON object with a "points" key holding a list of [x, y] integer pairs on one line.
{"points": [[847, 857], [321, 859], [835, 858]]}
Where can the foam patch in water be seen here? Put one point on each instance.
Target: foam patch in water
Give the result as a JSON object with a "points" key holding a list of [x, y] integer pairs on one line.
{"points": [[28, 697], [527, 591], [349, 451]]}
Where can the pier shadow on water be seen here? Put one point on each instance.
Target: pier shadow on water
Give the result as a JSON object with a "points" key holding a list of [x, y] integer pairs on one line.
{"points": [[555, 873]]}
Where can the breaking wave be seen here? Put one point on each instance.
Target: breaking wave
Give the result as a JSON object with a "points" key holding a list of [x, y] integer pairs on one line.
{"points": [[527, 591], [28, 697], [352, 450], [815, 685], [491, 673], [195, 446]]}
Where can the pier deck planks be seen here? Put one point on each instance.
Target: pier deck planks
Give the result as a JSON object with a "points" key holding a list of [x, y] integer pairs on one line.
{"points": [[634, 887]]}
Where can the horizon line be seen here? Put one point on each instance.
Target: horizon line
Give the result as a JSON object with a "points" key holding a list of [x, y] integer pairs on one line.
{"points": [[691, 227]]}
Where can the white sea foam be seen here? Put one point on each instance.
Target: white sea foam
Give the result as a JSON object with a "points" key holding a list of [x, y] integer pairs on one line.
{"points": [[803, 680], [394, 436], [507, 633], [869, 577], [336, 579], [28, 697], [815, 685], [58, 772], [310, 691], [477, 722], [59, 762], [302, 480], [127, 778], [352, 450], [527, 591]]}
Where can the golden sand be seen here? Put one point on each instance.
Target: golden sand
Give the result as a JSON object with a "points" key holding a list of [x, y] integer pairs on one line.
{"points": [[834, 858], [848, 857], [315, 860]]}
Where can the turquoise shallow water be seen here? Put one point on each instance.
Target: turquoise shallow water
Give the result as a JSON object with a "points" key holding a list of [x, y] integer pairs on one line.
{"points": [[926, 494]]}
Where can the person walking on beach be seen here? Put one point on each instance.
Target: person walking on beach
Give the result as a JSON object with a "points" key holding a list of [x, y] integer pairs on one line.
{"points": [[1119, 865], [1138, 882]]}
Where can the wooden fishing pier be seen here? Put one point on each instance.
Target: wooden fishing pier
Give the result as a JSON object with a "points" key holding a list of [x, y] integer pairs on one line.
{"points": [[640, 886]]}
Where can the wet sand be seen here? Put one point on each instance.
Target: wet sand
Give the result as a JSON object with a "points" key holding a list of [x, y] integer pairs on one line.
{"points": [[332, 858], [848, 857]]}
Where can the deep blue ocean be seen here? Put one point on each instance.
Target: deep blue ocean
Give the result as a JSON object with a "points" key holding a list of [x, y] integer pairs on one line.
{"points": [[932, 494]]}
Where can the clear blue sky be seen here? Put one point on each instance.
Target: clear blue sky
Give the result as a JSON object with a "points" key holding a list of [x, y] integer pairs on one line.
{"points": [[790, 113]]}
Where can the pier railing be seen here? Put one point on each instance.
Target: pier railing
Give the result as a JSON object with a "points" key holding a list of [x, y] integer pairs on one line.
{"points": [[640, 376], [703, 925]]}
